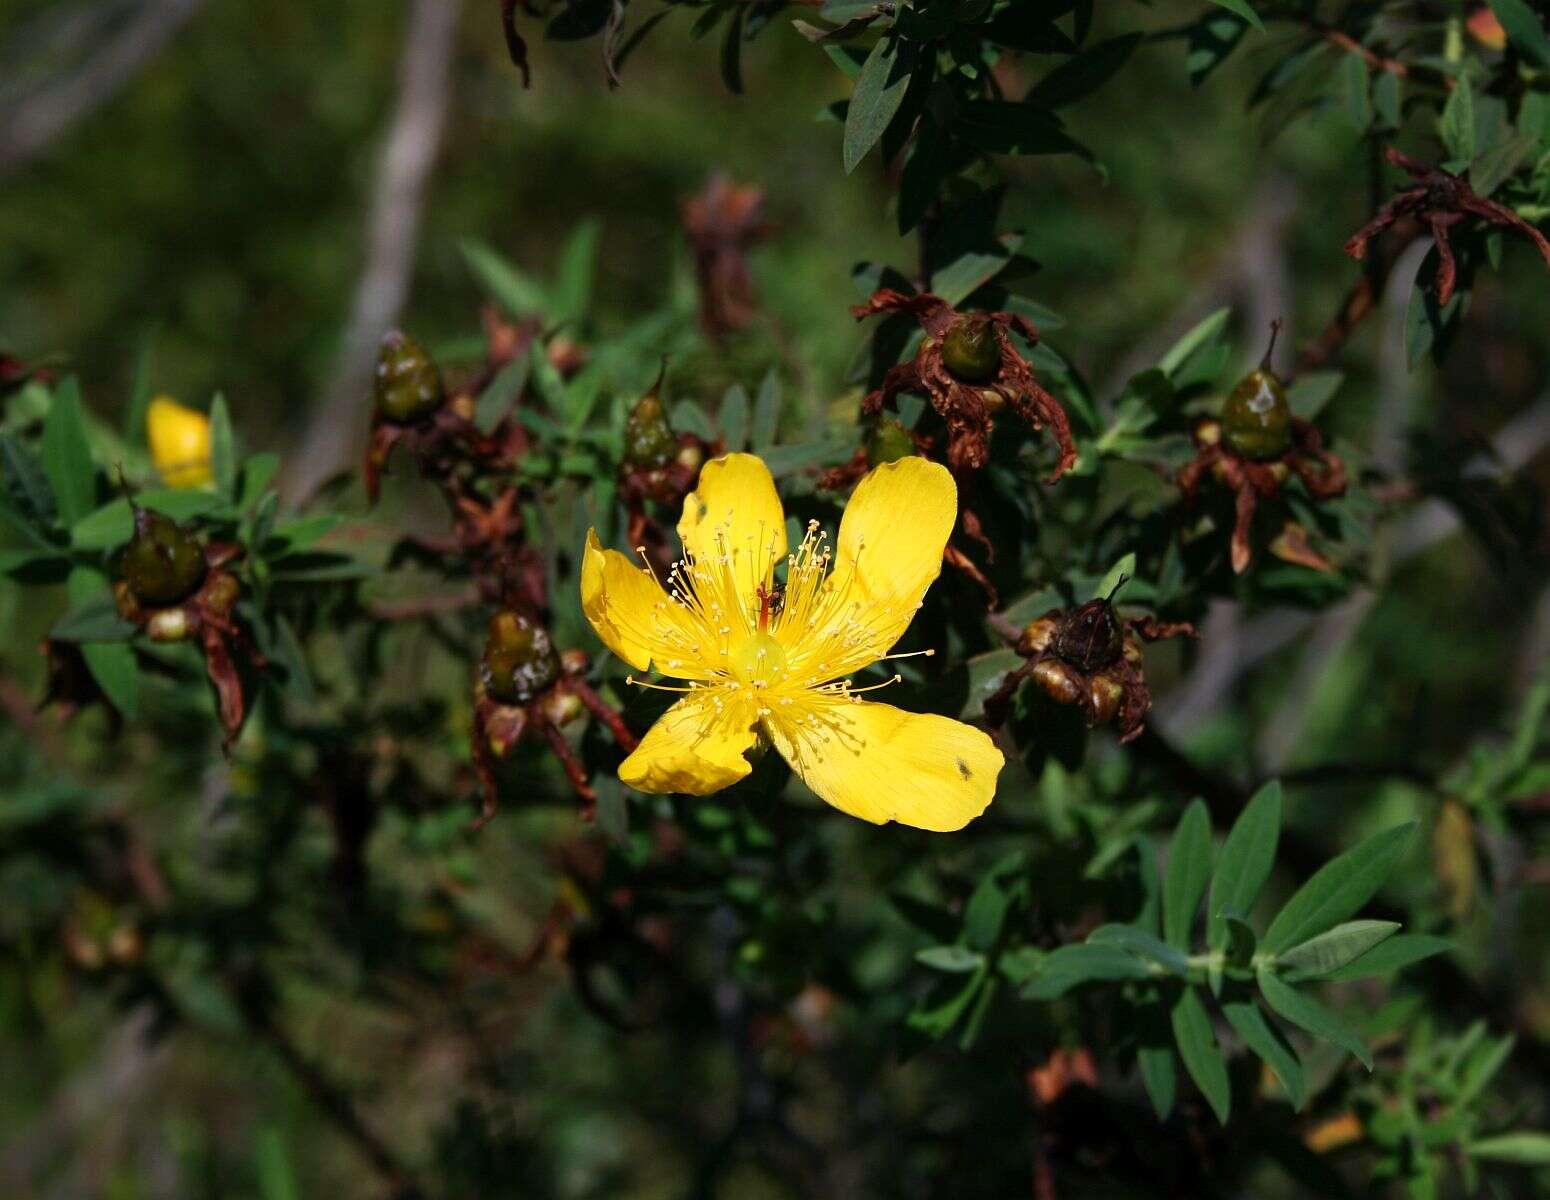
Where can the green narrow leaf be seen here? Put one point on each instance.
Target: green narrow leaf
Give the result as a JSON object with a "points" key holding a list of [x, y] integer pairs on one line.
{"points": [[1526, 1147], [1118, 577], [67, 454], [1084, 74], [223, 449], [1189, 867], [112, 663], [26, 483], [1355, 92], [1242, 9], [576, 271], [1338, 889], [1312, 390], [1154, 1056], [1392, 954], [1307, 1013], [1207, 330], [1202, 1056], [1456, 125], [1482, 1068], [733, 417], [272, 1165], [1334, 948], [766, 413], [1142, 945], [113, 524], [880, 90], [507, 286], [1245, 862], [1072, 966], [1524, 29], [952, 959], [732, 52], [495, 401], [1262, 1037]]}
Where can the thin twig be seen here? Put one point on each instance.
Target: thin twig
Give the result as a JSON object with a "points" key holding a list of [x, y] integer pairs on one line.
{"points": [[393, 226], [32, 124]]}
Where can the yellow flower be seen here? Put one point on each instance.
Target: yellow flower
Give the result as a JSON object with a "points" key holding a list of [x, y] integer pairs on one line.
{"points": [[762, 664], [180, 443]]}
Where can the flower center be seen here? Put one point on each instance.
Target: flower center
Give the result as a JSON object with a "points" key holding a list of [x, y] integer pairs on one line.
{"points": [[758, 659]]}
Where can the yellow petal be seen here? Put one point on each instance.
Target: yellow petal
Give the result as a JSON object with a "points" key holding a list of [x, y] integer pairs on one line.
{"points": [[180, 443], [696, 747], [734, 510], [633, 615], [882, 764], [888, 553]]}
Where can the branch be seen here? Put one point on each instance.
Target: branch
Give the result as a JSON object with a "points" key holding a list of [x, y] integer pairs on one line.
{"points": [[29, 126], [393, 226]]}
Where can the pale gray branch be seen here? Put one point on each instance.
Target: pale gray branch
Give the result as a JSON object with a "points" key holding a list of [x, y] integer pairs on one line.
{"points": [[393, 227], [32, 123]]}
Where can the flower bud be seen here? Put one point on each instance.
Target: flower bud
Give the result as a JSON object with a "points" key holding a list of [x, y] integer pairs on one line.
{"points": [[169, 625], [407, 387], [889, 441], [519, 661], [163, 562], [1256, 420], [649, 443], [179, 439], [971, 350]]}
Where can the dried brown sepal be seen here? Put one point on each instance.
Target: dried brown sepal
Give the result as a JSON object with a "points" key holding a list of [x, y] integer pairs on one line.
{"points": [[1440, 200], [498, 729], [70, 684], [1252, 481], [516, 47], [1090, 658], [723, 222], [968, 408], [207, 617]]}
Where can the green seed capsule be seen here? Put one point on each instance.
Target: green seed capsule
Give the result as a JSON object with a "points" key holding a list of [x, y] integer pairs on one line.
{"points": [[971, 350], [519, 661], [1256, 421], [163, 563], [649, 443], [889, 442], [407, 386]]}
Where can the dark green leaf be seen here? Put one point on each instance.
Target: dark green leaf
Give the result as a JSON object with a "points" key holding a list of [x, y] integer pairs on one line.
{"points": [[1116, 579], [1072, 966], [113, 524], [95, 620], [1154, 1056], [1355, 92], [111, 661], [1245, 862], [572, 291], [766, 414], [880, 90], [26, 485], [1008, 127], [1142, 945], [1526, 1147], [1206, 332], [1307, 1013], [139, 389], [1262, 1037], [507, 286], [1086, 73], [223, 449], [1242, 9], [1456, 125], [1311, 391], [733, 417], [952, 959], [1393, 954], [67, 455], [1025, 27], [1202, 1056], [1338, 889], [1334, 948], [732, 52], [1189, 867], [495, 401]]}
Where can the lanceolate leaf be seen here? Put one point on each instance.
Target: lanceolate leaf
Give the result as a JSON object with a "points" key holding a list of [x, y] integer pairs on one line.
{"points": [[1202, 1056], [112, 663], [67, 455], [1154, 1056], [1245, 862], [223, 449], [1525, 29], [1527, 1147], [1338, 889], [1189, 866], [1392, 954], [1071, 966], [1307, 1013], [1262, 1037], [1334, 948], [880, 90], [1243, 9]]}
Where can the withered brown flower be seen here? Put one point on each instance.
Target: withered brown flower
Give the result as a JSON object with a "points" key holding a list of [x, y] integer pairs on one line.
{"points": [[1253, 480], [206, 615], [969, 369], [1440, 200], [522, 686], [1089, 657], [723, 222]]}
